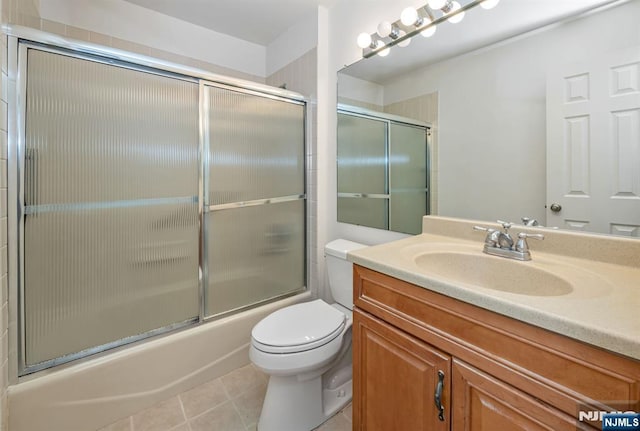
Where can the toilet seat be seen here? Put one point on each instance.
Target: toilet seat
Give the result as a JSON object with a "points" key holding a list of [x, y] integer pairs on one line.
{"points": [[298, 328]]}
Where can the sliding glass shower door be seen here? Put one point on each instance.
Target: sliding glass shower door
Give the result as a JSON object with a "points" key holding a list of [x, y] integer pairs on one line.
{"points": [[110, 204], [147, 201], [383, 172], [408, 177], [363, 190], [254, 198]]}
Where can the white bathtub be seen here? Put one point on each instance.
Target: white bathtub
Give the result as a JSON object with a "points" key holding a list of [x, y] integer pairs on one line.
{"points": [[94, 393]]}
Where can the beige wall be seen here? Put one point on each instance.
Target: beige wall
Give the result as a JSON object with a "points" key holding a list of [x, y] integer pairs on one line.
{"points": [[360, 104], [22, 12]]}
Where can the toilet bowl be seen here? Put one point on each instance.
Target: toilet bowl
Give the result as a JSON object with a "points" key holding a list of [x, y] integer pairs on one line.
{"points": [[306, 350]]}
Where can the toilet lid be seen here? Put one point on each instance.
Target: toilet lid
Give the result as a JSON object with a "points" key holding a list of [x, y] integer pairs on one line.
{"points": [[300, 326]]}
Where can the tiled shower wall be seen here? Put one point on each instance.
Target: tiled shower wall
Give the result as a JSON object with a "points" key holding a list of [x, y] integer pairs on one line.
{"points": [[3, 243], [300, 76], [4, 292]]}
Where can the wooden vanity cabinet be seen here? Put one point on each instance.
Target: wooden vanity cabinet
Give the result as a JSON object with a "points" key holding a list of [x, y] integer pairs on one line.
{"points": [[397, 378], [499, 373], [482, 402]]}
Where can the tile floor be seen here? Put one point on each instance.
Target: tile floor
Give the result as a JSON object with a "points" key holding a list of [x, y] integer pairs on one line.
{"points": [[229, 403]]}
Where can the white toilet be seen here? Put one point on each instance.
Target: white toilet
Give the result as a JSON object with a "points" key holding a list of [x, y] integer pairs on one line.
{"points": [[306, 350]]}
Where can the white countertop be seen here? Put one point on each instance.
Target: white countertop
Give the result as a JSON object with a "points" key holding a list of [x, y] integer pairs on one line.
{"points": [[602, 307]]}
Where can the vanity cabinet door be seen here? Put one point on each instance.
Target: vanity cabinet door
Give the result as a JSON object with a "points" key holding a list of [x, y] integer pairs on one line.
{"points": [[395, 379], [483, 403]]}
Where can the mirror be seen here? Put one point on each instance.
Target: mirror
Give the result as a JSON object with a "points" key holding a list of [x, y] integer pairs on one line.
{"points": [[542, 123], [383, 176]]}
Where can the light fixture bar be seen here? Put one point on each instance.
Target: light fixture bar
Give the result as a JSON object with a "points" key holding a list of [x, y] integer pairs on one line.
{"points": [[429, 13], [413, 30]]}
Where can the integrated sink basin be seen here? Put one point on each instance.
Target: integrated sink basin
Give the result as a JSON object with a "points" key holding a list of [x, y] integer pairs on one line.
{"points": [[490, 272], [578, 285]]}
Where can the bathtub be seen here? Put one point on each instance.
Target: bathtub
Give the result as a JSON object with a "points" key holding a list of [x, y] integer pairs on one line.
{"points": [[96, 392]]}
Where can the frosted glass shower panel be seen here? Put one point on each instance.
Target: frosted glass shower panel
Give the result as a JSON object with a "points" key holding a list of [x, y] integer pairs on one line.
{"points": [[255, 253], [362, 171], [364, 211], [407, 178], [96, 276], [362, 155], [101, 133], [256, 147], [255, 221], [110, 204]]}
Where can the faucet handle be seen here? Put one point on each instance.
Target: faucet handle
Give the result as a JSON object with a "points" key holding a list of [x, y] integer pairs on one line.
{"points": [[525, 235], [506, 225], [522, 245], [492, 235], [504, 238]]}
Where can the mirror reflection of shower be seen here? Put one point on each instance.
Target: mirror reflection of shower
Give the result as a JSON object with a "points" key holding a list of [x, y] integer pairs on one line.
{"points": [[383, 170]]}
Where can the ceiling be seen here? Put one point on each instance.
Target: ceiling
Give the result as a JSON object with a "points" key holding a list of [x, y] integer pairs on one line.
{"points": [[257, 21]]}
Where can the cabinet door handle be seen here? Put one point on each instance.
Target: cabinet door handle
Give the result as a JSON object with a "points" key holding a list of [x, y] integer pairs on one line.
{"points": [[438, 395]]}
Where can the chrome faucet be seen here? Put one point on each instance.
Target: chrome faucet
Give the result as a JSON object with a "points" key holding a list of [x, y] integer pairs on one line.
{"points": [[500, 243], [504, 239], [528, 221]]}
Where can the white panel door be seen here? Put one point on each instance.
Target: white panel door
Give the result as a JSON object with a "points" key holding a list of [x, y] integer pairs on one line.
{"points": [[593, 144]]}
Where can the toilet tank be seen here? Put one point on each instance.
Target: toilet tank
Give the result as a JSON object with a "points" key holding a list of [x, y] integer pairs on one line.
{"points": [[340, 270]]}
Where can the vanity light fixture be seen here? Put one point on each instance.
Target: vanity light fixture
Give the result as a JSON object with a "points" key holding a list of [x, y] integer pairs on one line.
{"points": [[373, 43], [381, 50], [365, 40], [413, 21], [436, 4], [451, 9], [405, 42], [409, 17], [489, 4], [385, 29], [429, 30]]}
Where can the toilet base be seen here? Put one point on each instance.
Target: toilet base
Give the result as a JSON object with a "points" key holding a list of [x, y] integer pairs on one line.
{"points": [[290, 404], [335, 400]]}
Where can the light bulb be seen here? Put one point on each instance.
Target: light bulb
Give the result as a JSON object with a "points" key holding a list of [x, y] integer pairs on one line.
{"points": [[489, 4], [364, 40], [384, 29], [409, 16], [454, 7], [384, 52], [405, 42], [436, 4], [428, 32]]}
